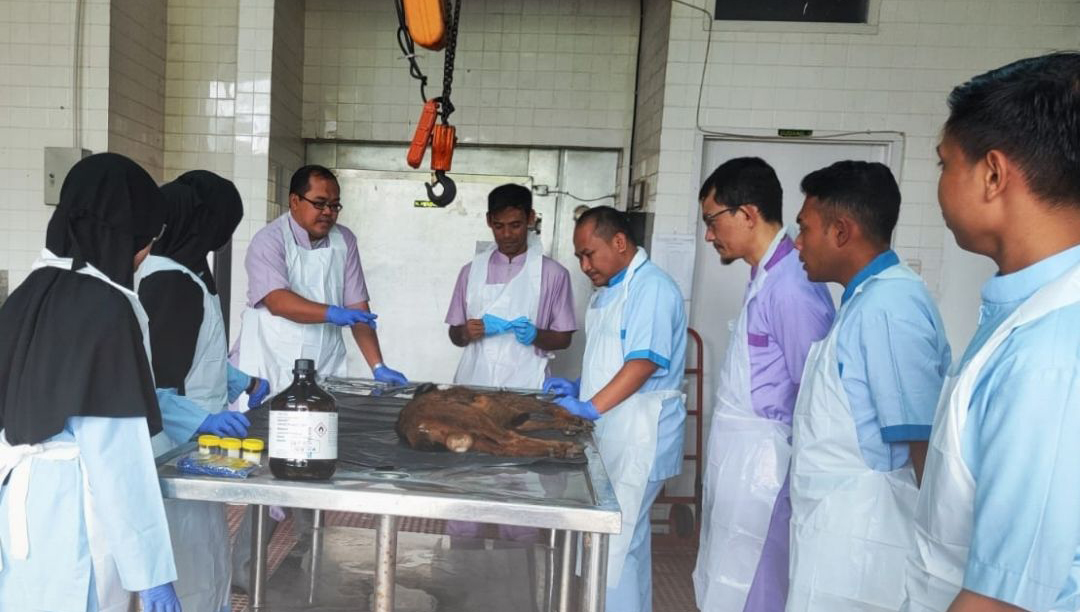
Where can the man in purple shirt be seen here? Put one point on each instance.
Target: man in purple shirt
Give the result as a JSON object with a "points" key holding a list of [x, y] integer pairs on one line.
{"points": [[742, 561], [305, 282]]}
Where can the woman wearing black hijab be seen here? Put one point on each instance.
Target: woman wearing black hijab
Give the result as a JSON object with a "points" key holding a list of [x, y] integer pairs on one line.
{"points": [[78, 407], [195, 382]]}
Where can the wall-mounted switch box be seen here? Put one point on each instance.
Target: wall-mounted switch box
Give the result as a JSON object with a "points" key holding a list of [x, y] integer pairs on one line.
{"points": [[58, 162]]}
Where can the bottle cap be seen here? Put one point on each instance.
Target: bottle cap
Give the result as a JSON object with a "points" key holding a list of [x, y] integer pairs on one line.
{"points": [[209, 440], [254, 445], [230, 443], [304, 366]]}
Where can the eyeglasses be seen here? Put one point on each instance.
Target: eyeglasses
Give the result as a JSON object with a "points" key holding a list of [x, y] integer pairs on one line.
{"points": [[321, 206], [708, 219]]}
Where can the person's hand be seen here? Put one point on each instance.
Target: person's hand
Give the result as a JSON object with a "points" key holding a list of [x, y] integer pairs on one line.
{"points": [[350, 316], [386, 375], [578, 408], [256, 397], [474, 329], [226, 423], [495, 325], [562, 386], [161, 598], [524, 330]]}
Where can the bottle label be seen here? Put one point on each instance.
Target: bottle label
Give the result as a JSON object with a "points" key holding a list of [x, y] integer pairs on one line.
{"points": [[303, 435]]}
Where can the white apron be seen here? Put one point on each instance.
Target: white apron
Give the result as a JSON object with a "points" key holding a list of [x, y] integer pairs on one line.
{"points": [[500, 360], [747, 462], [112, 597], [851, 526], [626, 436], [198, 529], [944, 512], [270, 345]]}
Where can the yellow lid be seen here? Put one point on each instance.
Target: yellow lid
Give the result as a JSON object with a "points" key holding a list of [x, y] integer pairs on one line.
{"points": [[230, 443], [253, 444], [209, 440]]}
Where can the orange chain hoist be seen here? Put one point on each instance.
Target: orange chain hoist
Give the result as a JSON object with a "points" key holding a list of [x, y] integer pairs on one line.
{"points": [[432, 24]]}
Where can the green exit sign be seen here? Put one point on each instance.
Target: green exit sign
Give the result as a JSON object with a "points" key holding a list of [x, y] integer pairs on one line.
{"points": [[790, 133], [424, 204]]}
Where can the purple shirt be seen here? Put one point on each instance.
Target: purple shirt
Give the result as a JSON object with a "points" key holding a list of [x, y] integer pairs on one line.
{"points": [[556, 312], [267, 270], [784, 318]]}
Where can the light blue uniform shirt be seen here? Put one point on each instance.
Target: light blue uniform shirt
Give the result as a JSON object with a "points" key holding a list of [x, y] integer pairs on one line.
{"points": [[654, 328], [893, 357], [181, 417], [1022, 445]]}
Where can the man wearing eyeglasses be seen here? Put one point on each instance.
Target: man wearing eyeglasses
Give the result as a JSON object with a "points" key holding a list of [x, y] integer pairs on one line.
{"points": [[305, 282], [742, 563]]}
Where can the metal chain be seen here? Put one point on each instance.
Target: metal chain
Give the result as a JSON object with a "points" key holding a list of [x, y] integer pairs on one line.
{"points": [[446, 106], [405, 41]]}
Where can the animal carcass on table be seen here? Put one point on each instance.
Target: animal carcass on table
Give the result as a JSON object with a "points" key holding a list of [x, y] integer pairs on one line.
{"points": [[493, 422]]}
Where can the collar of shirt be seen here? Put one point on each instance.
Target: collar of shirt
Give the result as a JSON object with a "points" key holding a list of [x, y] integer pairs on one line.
{"points": [[302, 238], [618, 278], [1021, 284], [877, 265], [780, 246], [500, 258]]}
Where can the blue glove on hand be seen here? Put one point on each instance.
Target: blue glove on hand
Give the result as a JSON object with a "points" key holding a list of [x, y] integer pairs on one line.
{"points": [[562, 386], [226, 423], [578, 408], [350, 316], [161, 598], [494, 325], [256, 397], [386, 375], [524, 330]]}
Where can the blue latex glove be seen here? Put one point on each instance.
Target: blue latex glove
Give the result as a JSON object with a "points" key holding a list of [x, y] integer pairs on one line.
{"points": [[494, 325], [386, 375], [578, 408], [256, 397], [161, 598], [350, 316], [238, 382], [226, 423], [562, 386], [524, 330]]}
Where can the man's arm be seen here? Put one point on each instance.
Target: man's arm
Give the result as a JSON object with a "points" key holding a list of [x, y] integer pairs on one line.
{"points": [[630, 377], [470, 331], [917, 450], [366, 338], [549, 340], [967, 601], [285, 303]]}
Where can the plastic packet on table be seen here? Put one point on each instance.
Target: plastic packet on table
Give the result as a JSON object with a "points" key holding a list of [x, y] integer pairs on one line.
{"points": [[215, 465]]}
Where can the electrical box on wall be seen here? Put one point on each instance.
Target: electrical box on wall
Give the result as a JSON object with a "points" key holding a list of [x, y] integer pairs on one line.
{"points": [[58, 162]]}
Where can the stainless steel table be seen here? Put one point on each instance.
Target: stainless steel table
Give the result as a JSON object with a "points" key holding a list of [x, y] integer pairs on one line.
{"points": [[580, 504]]}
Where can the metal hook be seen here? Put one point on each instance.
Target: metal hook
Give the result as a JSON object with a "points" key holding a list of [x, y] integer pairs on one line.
{"points": [[449, 189]]}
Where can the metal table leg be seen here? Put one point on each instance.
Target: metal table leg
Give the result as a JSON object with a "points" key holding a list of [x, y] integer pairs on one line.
{"points": [[594, 570], [386, 562], [548, 598], [316, 552], [258, 558], [567, 569]]}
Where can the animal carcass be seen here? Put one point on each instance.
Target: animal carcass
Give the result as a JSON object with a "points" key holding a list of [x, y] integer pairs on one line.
{"points": [[460, 420]]}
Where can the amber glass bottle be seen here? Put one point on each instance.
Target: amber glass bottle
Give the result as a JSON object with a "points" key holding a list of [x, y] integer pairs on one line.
{"points": [[303, 428]]}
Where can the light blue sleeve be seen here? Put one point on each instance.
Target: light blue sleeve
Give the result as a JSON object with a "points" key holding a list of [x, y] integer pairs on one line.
{"points": [[238, 383], [180, 417], [1020, 443], [905, 354], [650, 320], [131, 515]]}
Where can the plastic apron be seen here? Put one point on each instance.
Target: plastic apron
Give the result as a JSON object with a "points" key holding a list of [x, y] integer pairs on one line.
{"points": [[943, 515], [500, 360], [626, 436], [111, 595], [747, 462], [199, 531], [851, 526], [270, 345]]}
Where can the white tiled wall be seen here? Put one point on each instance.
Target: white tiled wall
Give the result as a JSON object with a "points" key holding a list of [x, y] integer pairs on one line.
{"points": [[137, 82], [286, 102], [557, 72], [652, 74], [36, 59], [896, 79]]}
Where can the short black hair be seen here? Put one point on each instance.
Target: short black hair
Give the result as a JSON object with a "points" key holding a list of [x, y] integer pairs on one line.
{"points": [[510, 196], [866, 191], [609, 221], [298, 184], [1030, 111], [746, 180]]}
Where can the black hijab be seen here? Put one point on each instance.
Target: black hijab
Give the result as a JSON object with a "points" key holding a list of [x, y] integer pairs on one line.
{"points": [[70, 345], [204, 210]]}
